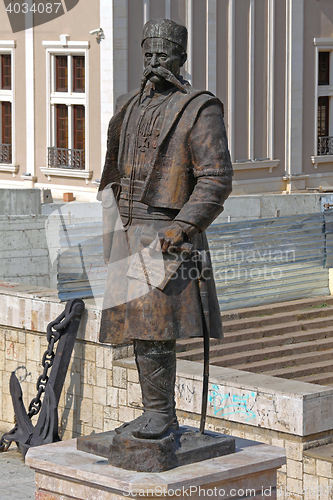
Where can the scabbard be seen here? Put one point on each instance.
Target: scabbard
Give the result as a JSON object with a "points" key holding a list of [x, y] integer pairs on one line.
{"points": [[203, 267]]}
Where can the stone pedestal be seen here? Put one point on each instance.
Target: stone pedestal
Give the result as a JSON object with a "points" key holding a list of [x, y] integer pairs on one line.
{"points": [[179, 447], [64, 473]]}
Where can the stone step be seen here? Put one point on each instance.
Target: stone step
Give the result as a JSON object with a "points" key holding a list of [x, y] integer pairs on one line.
{"points": [[279, 318], [258, 332], [279, 329], [280, 307], [292, 366], [318, 378], [288, 340], [273, 355], [253, 334], [322, 365], [225, 348], [186, 345]]}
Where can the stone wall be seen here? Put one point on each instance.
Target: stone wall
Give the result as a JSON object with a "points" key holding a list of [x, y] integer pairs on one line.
{"points": [[318, 474], [24, 254], [256, 206], [102, 390], [20, 201]]}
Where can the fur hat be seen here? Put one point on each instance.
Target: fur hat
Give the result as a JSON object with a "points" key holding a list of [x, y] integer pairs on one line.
{"points": [[166, 29]]}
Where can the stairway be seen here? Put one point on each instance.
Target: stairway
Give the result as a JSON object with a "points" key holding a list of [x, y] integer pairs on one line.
{"points": [[291, 340]]}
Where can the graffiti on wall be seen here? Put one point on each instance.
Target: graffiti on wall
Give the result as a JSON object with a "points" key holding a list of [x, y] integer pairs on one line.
{"points": [[231, 404], [185, 392], [11, 351]]}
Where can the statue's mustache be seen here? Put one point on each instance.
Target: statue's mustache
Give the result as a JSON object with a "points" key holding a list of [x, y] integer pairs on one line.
{"points": [[164, 73]]}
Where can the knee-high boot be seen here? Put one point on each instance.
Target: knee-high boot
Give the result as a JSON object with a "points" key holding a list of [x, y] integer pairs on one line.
{"points": [[156, 363]]}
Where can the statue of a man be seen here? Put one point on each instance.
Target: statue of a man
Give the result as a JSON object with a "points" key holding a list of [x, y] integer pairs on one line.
{"points": [[169, 167]]}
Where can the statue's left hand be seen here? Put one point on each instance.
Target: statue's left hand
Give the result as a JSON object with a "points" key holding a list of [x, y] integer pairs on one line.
{"points": [[171, 236]]}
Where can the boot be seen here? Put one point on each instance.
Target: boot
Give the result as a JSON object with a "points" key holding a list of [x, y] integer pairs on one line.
{"points": [[156, 363]]}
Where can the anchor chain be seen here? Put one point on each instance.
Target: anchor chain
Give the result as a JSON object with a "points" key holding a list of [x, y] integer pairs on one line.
{"points": [[47, 361], [54, 331]]}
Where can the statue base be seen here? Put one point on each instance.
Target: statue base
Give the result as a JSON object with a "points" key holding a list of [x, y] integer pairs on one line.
{"points": [[174, 449], [65, 473]]}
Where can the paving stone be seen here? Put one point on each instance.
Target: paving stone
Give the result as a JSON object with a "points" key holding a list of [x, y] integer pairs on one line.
{"points": [[17, 479]]}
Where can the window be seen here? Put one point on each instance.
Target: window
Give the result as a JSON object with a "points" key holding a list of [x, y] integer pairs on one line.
{"points": [[325, 95], [6, 99], [68, 104], [323, 129], [67, 110], [6, 72], [323, 115], [78, 127], [324, 68], [61, 78], [62, 126], [78, 74]]}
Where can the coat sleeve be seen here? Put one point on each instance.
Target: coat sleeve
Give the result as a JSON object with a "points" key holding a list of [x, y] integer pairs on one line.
{"points": [[110, 171], [211, 166]]}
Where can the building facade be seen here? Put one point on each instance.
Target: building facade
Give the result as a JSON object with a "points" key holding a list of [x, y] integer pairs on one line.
{"points": [[269, 61]]}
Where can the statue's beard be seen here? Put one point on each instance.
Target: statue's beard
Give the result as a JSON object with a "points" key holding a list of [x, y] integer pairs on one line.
{"points": [[164, 73]]}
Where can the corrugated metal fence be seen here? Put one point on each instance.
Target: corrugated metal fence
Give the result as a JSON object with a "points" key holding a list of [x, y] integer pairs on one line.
{"points": [[81, 271], [255, 262], [269, 260], [328, 215]]}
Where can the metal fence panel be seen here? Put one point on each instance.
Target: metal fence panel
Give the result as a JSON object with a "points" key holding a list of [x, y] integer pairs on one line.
{"points": [[328, 215], [81, 271], [269, 260], [255, 262]]}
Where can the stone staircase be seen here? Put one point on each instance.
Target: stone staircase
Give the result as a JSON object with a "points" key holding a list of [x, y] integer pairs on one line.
{"points": [[291, 340]]}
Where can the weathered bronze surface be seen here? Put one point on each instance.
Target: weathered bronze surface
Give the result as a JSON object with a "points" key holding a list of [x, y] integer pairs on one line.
{"points": [[63, 329], [168, 167], [182, 447]]}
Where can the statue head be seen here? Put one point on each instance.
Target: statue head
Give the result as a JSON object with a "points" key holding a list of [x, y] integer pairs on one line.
{"points": [[166, 30], [164, 45]]}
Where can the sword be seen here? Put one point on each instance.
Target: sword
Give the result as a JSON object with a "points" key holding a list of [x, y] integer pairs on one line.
{"points": [[203, 266]]}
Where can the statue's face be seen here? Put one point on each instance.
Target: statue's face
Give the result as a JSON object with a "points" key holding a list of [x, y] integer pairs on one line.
{"points": [[158, 52]]}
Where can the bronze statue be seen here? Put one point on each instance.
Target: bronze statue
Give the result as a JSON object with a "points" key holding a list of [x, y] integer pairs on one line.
{"points": [[169, 168]]}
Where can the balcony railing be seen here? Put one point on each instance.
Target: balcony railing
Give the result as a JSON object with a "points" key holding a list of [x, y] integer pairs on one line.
{"points": [[325, 146], [66, 158], [5, 153]]}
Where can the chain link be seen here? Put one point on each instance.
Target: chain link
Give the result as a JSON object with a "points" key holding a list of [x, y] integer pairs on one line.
{"points": [[47, 361]]}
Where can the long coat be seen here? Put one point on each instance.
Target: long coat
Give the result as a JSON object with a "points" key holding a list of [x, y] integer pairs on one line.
{"points": [[190, 173]]}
